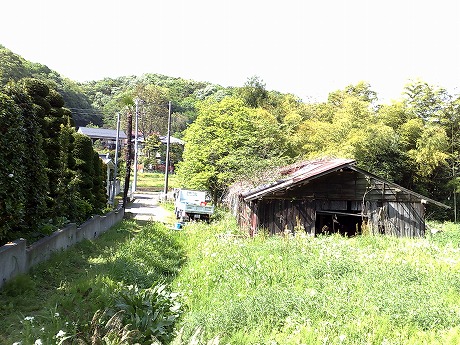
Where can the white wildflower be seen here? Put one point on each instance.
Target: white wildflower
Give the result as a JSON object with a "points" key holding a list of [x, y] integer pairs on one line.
{"points": [[56, 314], [60, 334], [29, 318], [342, 337], [38, 342], [17, 343]]}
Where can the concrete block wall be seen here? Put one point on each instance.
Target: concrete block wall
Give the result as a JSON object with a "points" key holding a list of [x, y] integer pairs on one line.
{"points": [[12, 260], [16, 257]]}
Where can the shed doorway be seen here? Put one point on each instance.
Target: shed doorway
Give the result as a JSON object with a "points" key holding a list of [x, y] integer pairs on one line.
{"points": [[331, 222]]}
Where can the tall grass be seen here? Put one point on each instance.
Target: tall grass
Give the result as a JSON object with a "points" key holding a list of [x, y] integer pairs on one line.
{"points": [[61, 296], [324, 290], [238, 290]]}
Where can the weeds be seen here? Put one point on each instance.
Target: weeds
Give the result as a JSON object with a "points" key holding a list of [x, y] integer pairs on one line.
{"points": [[63, 295], [239, 290], [329, 289]]}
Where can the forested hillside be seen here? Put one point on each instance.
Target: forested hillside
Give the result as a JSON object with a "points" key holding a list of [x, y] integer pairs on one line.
{"points": [[13, 67], [116, 95]]}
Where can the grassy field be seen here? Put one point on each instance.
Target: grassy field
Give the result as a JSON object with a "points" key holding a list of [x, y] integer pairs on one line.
{"points": [[154, 182], [325, 290], [236, 290]]}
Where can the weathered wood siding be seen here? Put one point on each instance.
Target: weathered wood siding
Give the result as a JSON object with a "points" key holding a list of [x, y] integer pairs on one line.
{"points": [[401, 219], [385, 211], [276, 216]]}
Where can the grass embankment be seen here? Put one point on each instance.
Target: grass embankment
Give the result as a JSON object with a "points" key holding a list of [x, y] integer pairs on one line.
{"points": [[64, 293], [303, 290]]}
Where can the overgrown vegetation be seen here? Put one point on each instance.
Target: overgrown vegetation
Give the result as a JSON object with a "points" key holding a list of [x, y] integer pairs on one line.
{"points": [[237, 290], [89, 293], [231, 133], [334, 290]]}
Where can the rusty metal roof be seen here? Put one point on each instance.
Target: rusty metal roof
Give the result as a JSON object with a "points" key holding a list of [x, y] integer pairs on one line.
{"points": [[300, 172], [308, 170]]}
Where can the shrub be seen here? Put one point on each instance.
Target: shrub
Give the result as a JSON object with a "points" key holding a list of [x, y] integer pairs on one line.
{"points": [[153, 312]]}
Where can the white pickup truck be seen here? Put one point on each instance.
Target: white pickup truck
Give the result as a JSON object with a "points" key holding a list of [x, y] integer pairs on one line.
{"points": [[191, 204]]}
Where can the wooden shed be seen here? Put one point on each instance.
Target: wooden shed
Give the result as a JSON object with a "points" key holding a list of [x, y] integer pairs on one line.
{"points": [[330, 196]]}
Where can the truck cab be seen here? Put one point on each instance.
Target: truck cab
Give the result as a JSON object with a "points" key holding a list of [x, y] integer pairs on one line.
{"points": [[192, 205]]}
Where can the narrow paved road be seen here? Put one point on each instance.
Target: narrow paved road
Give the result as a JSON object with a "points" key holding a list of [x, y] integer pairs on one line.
{"points": [[146, 207]]}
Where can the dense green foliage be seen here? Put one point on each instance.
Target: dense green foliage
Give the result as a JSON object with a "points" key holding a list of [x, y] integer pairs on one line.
{"points": [[237, 290], [226, 140], [234, 133], [154, 92], [45, 180], [12, 176], [13, 68], [413, 142]]}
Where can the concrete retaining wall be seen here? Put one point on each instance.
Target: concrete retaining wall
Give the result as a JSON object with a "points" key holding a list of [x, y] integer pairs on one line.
{"points": [[16, 257]]}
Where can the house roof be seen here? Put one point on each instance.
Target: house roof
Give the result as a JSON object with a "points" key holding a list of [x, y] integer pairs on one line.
{"points": [[172, 140], [106, 159], [304, 172], [101, 133]]}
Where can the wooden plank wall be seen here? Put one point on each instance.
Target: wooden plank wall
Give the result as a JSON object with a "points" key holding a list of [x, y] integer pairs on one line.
{"points": [[278, 215], [400, 219]]}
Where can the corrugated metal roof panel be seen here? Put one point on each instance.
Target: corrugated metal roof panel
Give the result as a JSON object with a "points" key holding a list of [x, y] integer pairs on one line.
{"points": [[306, 171], [303, 172]]}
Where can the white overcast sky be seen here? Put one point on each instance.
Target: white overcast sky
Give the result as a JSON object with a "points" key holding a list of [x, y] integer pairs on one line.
{"points": [[305, 47]]}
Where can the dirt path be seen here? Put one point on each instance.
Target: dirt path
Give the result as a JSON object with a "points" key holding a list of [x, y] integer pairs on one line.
{"points": [[146, 207]]}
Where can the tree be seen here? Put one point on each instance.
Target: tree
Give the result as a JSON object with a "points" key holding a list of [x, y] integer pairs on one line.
{"points": [[228, 140], [253, 92], [431, 148], [426, 101], [376, 149], [84, 168], [153, 109], [361, 91], [99, 184], [34, 160]]}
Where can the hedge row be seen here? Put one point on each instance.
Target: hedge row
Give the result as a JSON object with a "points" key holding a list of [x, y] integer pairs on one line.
{"points": [[49, 174]]}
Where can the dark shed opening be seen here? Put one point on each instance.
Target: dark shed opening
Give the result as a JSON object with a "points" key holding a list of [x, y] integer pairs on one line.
{"points": [[345, 224]]}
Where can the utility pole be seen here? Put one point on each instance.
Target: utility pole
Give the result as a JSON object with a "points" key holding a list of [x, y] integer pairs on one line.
{"points": [[135, 145], [128, 159], [168, 140], [115, 171]]}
